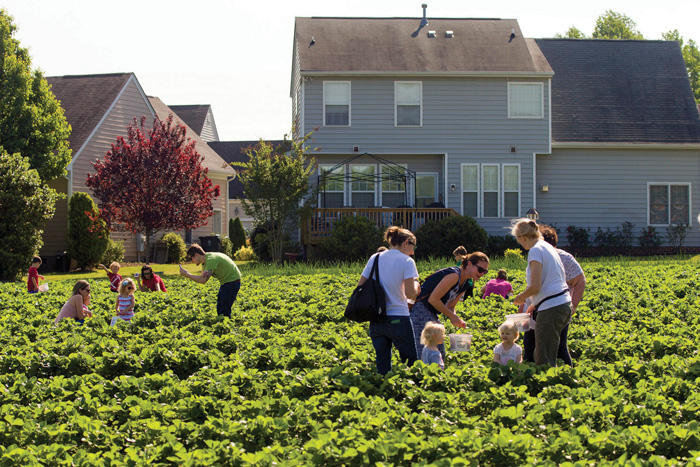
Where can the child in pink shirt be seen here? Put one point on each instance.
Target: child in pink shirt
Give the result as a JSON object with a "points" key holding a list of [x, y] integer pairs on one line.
{"points": [[499, 286]]}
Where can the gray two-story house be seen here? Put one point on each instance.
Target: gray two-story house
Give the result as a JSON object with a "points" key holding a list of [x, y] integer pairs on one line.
{"points": [[490, 124]]}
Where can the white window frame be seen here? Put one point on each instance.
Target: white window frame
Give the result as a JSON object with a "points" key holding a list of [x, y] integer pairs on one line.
{"points": [[668, 187], [345, 185], [436, 178], [381, 183], [216, 231], [350, 181], [396, 103], [531, 117], [497, 191], [349, 104], [503, 190], [478, 188]]}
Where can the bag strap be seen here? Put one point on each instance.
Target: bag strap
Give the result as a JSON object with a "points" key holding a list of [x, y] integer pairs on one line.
{"points": [[537, 307], [375, 268]]}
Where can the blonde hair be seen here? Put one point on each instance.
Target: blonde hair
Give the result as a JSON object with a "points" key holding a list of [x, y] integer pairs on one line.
{"points": [[114, 263], [509, 326], [396, 235], [125, 283], [525, 228], [432, 332]]}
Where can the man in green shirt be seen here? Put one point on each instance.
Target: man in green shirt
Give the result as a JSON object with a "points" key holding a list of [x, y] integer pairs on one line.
{"points": [[220, 266]]}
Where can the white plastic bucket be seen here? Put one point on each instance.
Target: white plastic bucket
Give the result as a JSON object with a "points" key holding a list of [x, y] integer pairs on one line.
{"points": [[521, 320], [44, 288], [460, 342]]}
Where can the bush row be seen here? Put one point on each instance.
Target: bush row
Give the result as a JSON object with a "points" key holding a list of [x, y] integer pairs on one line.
{"points": [[621, 239]]}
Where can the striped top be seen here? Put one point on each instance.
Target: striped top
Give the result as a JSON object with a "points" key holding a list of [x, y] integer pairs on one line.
{"points": [[124, 303]]}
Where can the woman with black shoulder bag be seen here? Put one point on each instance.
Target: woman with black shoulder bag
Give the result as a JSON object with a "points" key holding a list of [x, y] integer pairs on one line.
{"points": [[398, 276]]}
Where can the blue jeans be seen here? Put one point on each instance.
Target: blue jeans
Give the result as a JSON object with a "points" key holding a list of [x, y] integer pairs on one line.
{"points": [[227, 295], [396, 330]]}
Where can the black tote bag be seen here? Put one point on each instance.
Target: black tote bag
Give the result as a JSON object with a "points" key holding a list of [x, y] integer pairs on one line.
{"points": [[368, 301]]}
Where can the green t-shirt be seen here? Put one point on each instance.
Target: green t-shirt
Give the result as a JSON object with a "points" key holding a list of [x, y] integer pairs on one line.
{"points": [[222, 267]]}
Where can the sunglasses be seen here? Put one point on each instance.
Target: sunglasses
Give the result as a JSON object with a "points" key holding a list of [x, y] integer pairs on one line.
{"points": [[146, 272], [413, 244], [481, 270], [129, 288]]}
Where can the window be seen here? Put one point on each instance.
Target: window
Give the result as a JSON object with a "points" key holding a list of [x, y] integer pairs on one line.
{"points": [[393, 187], [188, 237], [669, 203], [408, 97], [426, 189], [331, 196], [362, 186], [511, 190], [216, 222], [336, 103], [470, 190], [491, 190], [525, 100]]}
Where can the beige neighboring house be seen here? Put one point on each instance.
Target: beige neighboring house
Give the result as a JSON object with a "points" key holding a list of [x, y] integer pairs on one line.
{"points": [[99, 109]]}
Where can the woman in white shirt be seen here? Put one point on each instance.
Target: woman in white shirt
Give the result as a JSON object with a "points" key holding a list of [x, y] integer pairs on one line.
{"points": [[546, 284], [399, 278]]}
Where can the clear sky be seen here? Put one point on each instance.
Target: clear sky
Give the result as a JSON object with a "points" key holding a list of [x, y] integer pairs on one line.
{"points": [[236, 54]]}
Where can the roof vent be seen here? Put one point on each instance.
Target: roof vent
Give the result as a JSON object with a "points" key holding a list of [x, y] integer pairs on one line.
{"points": [[431, 33], [449, 34], [424, 21]]}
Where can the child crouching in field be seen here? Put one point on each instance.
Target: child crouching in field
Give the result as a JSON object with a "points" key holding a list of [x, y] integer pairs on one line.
{"points": [[125, 301], [433, 335], [508, 350]]}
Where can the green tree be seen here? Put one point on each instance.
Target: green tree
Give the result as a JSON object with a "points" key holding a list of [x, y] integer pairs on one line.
{"points": [[31, 118], [571, 33], [236, 234], [25, 206], [691, 57], [276, 184], [88, 235], [614, 25]]}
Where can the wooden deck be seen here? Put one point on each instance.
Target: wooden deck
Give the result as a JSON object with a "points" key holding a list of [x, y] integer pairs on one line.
{"points": [[321, 222]]}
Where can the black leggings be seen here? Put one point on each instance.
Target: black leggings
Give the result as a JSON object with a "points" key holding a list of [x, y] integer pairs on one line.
{"points": [[562, 352]]}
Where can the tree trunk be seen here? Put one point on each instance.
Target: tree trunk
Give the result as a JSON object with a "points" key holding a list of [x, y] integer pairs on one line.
{"points": [[148, 244]]}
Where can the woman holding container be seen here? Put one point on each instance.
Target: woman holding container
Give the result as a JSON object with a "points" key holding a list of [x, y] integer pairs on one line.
{"points": [[546, 285], [441, 291]]}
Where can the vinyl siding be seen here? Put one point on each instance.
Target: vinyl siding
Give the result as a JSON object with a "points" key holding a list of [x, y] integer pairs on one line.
{"points": [[56, 229], [465, 118], [296, 92], [606, 187], [209, 132]]}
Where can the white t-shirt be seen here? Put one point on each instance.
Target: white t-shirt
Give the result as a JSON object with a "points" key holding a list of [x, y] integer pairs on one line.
{"points": [[553, 276], [394, 268], [507, 355]]}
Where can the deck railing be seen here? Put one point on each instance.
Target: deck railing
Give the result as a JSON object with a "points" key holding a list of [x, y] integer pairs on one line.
{"points": [[321, 223]]}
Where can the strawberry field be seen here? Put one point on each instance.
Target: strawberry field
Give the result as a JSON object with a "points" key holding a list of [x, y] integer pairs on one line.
{"points": [[288, 381]]}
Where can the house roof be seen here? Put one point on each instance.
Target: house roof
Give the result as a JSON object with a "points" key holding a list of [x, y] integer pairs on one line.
{"points": [[85, 100], [234, 151], [398, 45], [193, 115], [620, 91], [212, 160]]}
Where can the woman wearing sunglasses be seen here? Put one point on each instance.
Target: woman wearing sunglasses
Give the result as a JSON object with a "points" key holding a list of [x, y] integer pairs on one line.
{"points": [[150, 281], [442, 290], [77, 305], [546, 285]]}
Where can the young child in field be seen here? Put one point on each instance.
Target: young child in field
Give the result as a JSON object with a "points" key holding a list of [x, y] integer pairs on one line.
{"points": [[498, 286], [508, 350], [113, 276], [433, 335], [125, 301], [33, 276], [459, 253]]}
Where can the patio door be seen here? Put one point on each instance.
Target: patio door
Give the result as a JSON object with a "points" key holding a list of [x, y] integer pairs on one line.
{"points": [[426, 188]]}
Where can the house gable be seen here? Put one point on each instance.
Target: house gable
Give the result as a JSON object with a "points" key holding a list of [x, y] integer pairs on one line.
{"points": [[199, 118]]}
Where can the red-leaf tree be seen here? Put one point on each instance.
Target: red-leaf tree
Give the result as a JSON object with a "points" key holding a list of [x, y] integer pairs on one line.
{"points": [[153, 180]]}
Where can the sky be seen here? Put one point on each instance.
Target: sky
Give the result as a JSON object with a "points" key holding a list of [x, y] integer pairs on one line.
{"points": [[236, 55]]}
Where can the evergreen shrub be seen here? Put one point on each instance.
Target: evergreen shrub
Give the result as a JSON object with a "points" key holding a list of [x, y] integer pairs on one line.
{"points": [[88, 235], [177, 249], [236, 234], [440, 238], [352, 238], [113, 252]]}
